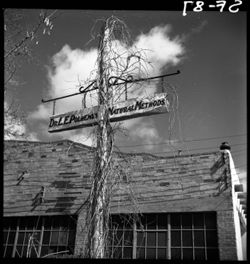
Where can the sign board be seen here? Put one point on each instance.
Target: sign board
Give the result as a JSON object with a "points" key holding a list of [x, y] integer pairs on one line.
{"points": [[120, 111]]}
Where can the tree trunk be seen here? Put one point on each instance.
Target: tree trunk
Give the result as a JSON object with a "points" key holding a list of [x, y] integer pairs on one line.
{"points": [[99, 197]]}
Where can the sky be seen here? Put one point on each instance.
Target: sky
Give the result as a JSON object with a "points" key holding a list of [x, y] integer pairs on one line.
{"points": [[209, 49]]}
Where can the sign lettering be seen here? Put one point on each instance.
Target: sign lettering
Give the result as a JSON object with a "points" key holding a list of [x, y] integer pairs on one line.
{"points": [[131, 108]]}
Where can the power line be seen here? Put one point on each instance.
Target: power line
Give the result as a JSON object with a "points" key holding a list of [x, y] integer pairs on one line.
{"points": [[182, 150], [181, 141]]}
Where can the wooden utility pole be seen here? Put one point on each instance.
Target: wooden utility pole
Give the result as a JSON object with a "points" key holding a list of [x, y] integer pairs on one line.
{"points": [[98, 211]]}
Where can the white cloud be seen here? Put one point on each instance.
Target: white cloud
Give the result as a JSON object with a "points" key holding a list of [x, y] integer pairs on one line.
{"points": [[15, 128], [32, 136], [42, 112], [146, 132], [14, 131], [161, 49], [199, 28], [83, 139], [70, 67], [143, 131]]}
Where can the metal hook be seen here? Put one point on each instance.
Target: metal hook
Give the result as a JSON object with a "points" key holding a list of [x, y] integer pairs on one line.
{"points": [[162, 84], [84, 100], [54, 107]]}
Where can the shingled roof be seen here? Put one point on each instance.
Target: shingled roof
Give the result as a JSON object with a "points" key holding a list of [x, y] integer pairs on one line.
{"points": [[46, 178]]}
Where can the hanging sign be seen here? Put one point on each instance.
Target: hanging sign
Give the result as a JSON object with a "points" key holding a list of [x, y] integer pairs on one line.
{"points": [[120, 111]]}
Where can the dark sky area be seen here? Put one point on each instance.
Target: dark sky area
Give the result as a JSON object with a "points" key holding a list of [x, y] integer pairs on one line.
{"points": [[211, 87]]}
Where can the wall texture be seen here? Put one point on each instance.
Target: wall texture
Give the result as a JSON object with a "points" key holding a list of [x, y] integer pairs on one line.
{"points": [[55, 178]]}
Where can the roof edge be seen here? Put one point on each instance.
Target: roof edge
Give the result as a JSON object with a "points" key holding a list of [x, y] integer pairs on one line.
{"points": [[49, 142], [121, 153]]}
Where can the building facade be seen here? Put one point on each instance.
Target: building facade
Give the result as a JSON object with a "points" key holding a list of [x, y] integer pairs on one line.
{"points": [[178, 207]]}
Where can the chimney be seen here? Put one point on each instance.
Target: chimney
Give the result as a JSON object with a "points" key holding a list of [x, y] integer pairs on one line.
{"points": [[225, 145]]}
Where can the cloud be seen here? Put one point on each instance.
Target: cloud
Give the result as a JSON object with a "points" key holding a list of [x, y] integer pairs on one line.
{"points": [[147, 133], [199, 28], [71, 67], [14, 127], [42, 112], [195, 30], [18, 131], [83, 139], [161, 49], [15, 131], [32, 136]]}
